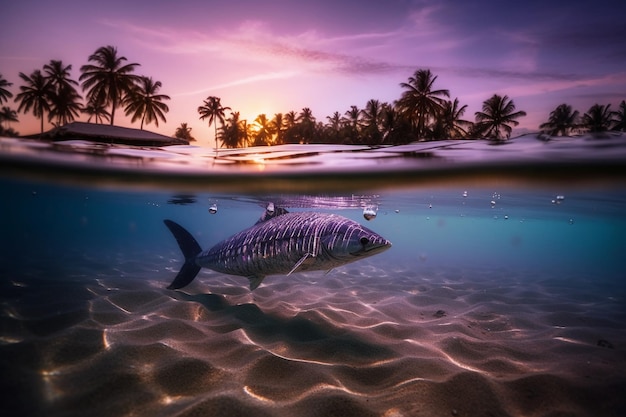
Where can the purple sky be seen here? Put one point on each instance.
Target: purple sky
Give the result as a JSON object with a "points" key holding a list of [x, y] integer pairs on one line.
{"points": [[279, 56]]}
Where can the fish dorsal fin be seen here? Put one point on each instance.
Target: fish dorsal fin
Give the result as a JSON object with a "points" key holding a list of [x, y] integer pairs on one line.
{"points": [[300, 262], [278, 211], [255, 281]]}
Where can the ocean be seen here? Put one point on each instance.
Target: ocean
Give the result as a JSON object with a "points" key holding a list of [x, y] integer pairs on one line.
{"points": [[503, 294]]}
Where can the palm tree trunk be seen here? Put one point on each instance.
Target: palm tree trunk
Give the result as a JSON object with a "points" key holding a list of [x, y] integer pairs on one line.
{"points": [[112, 111], [215, 125]]}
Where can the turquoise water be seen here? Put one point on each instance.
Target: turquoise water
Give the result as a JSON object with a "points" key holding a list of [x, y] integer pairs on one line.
{"points": [[534, 259], [579, 236]]}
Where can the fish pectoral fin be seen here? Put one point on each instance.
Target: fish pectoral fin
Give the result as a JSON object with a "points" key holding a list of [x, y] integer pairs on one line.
{"points": [[300, 262], [255, 281]]}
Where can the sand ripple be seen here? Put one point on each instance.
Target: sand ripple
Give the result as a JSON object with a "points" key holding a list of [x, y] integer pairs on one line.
{"points": [[357, 342]]}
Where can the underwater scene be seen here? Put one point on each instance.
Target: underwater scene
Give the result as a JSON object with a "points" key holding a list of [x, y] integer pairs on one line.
{"points": [[500, 291]]}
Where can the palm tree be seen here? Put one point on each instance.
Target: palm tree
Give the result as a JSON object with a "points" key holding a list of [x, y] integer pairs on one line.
{"points": [[277, 124], [620, 118], [5, 94], [449, 123], [143, 102], [7, 115], [109, 79], [498, 114], [334, 121], [396, 127], [291, 119], [598, 118], [352, 120], [59, 76], [334, 127], [64, 105], [306, 123], [214, 111], [234, 132], [561, 122], [65, 99], [372, 118], [35, 95], [98, 111], [291, 134], [184, 132], [264, 132], [420, 102]]}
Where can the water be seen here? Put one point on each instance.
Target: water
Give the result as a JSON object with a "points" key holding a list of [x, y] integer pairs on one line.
{"points": [[503, 293]]}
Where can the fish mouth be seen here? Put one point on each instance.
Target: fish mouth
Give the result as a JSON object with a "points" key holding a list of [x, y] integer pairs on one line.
{"points": [[380, 247]]}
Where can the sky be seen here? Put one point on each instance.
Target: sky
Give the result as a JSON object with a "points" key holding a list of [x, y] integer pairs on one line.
{"points": [[268, 57]]}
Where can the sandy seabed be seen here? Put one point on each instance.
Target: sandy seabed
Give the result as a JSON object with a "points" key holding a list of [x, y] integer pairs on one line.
{"points": [[364, 340]]}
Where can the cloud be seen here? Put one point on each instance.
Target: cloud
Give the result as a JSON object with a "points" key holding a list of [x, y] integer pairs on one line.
{"points": [[255, 44], [491, 73], [252, 41], [541, 87], [242, 81]]}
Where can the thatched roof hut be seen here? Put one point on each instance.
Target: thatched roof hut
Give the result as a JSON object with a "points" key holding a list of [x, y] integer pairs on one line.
{"points": [[109, 134]]}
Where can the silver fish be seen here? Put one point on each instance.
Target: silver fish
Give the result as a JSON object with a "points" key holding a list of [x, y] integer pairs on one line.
{"points": [[280, 245]]}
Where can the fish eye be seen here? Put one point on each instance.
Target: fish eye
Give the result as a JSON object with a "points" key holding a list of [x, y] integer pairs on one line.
{"points": [[364, 241]]}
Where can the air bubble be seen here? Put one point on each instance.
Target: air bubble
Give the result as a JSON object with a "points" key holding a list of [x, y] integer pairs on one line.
{"points": [[369, 213], [213, 209]]}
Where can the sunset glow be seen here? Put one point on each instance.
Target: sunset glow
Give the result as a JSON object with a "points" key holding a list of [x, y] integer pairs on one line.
{"points": [[282, 56]]}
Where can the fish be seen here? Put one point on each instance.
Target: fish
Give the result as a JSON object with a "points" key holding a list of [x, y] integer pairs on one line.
{"points": [[279, 244]]}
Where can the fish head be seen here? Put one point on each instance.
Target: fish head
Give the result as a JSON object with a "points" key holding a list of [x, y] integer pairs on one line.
{"points": [[360, 243]]}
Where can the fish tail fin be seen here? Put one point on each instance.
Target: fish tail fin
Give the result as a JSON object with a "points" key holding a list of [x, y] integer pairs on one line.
{"points": [[190, 249]]}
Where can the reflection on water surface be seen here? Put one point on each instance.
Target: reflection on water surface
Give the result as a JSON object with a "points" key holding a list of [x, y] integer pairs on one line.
{"points": [[289, 167]]}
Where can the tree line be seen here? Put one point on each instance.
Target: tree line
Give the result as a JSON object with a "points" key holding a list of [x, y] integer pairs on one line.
{"points": [[564, 121], [422, 112], [109, 82]]}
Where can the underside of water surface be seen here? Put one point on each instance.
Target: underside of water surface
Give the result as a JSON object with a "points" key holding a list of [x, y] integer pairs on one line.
{"points": [[535, 159]]}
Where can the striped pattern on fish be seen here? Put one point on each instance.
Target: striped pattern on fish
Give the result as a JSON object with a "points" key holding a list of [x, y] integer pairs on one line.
{"points": [[281, 245]]}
